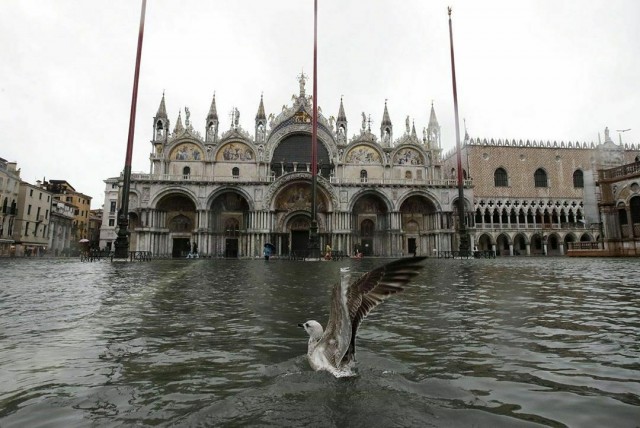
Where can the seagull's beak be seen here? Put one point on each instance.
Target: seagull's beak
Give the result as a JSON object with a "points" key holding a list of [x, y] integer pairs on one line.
{"points": [[300, 325]]}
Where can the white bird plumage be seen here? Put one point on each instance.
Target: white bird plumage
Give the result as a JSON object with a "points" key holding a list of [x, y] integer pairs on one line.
{"points": [[334, 349]]}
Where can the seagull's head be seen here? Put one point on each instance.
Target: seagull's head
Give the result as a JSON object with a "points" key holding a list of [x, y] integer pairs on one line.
{"points": [[313, 328]]}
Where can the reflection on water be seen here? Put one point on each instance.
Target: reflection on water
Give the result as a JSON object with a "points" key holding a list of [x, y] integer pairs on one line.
{"points": [[502, 342]]}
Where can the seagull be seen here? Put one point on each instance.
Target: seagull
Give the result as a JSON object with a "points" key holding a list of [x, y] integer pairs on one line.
{"points": [[334, 349]]}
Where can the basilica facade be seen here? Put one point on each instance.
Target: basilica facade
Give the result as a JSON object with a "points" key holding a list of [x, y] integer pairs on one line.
{"points": [[228, 192]]}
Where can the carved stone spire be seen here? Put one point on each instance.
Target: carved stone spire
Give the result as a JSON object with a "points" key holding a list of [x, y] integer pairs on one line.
{"points": [[213, 111], [212, 123], [162, 110], [433, 130], [161, 123], [261, 114], [261, 123], [341, 125], [386, 127], [178, 128]]}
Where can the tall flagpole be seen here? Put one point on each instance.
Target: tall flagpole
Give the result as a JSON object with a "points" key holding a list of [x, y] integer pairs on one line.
{"points": [[314, 245], [462, 229], [122, 241]]}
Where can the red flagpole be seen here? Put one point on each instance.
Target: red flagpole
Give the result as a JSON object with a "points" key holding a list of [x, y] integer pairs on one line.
{"points": [[314, 244], [464, 237], [122, 241]]}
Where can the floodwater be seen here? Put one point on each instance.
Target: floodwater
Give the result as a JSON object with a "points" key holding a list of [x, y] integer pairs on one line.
{"points": [[482, 343]]}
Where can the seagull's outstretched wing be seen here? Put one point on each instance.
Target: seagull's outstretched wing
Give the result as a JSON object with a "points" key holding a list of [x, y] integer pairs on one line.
{"points": [[337, 336], [373, 288]]}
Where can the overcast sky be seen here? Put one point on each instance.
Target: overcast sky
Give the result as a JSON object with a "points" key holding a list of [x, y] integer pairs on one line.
{"points": [[544, 70]]}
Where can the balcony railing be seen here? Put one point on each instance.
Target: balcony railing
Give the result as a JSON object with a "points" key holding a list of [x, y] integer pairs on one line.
{"points": [[544, 227], [441, 182], [620, 171], [271, 178], [200, 178]]}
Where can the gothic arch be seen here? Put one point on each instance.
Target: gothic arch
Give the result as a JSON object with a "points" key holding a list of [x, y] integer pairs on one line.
{"points": [[503, 241], [226, 189], [185, 149], [282, 182], [365, 192], [172, 191], [422, 193], [485, 242], [405, 155], [520, 242], [363, 153], [235, 150], [279, 134]]}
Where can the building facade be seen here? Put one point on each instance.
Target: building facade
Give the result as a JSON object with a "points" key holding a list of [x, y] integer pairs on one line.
{"points": [[61, 229], [9, 189], [32, 221], [65, 192], [620, 209], [229, 193], [537, 198]]}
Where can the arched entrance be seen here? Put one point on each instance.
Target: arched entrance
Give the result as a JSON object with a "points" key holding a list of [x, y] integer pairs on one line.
{"points": [[519, 245], [292, 207], [180, 217], [419, 218], [502, 245], [298, 228], [370, 216], [227, 224]]}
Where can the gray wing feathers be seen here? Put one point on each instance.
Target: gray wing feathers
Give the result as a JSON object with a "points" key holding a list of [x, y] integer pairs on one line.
{"points": [[374, 288], [337, 336]]}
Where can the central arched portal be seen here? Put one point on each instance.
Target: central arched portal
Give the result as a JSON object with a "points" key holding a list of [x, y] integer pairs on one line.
{"points": [[292, 209], [420, 220], [370, 216]]}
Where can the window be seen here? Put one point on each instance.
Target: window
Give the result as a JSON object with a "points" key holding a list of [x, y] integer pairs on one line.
{"points": [[46, 214], [112, 222], [29, 210], [578, 179], [634, 205], [186, 172], [408, 175], [500, 178], [112, 209], [622, 216], [38, 214], [26, 229], [367, 228], [40, 196], [30, 192], [363, 176], [540, 178], [235, 172]]}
